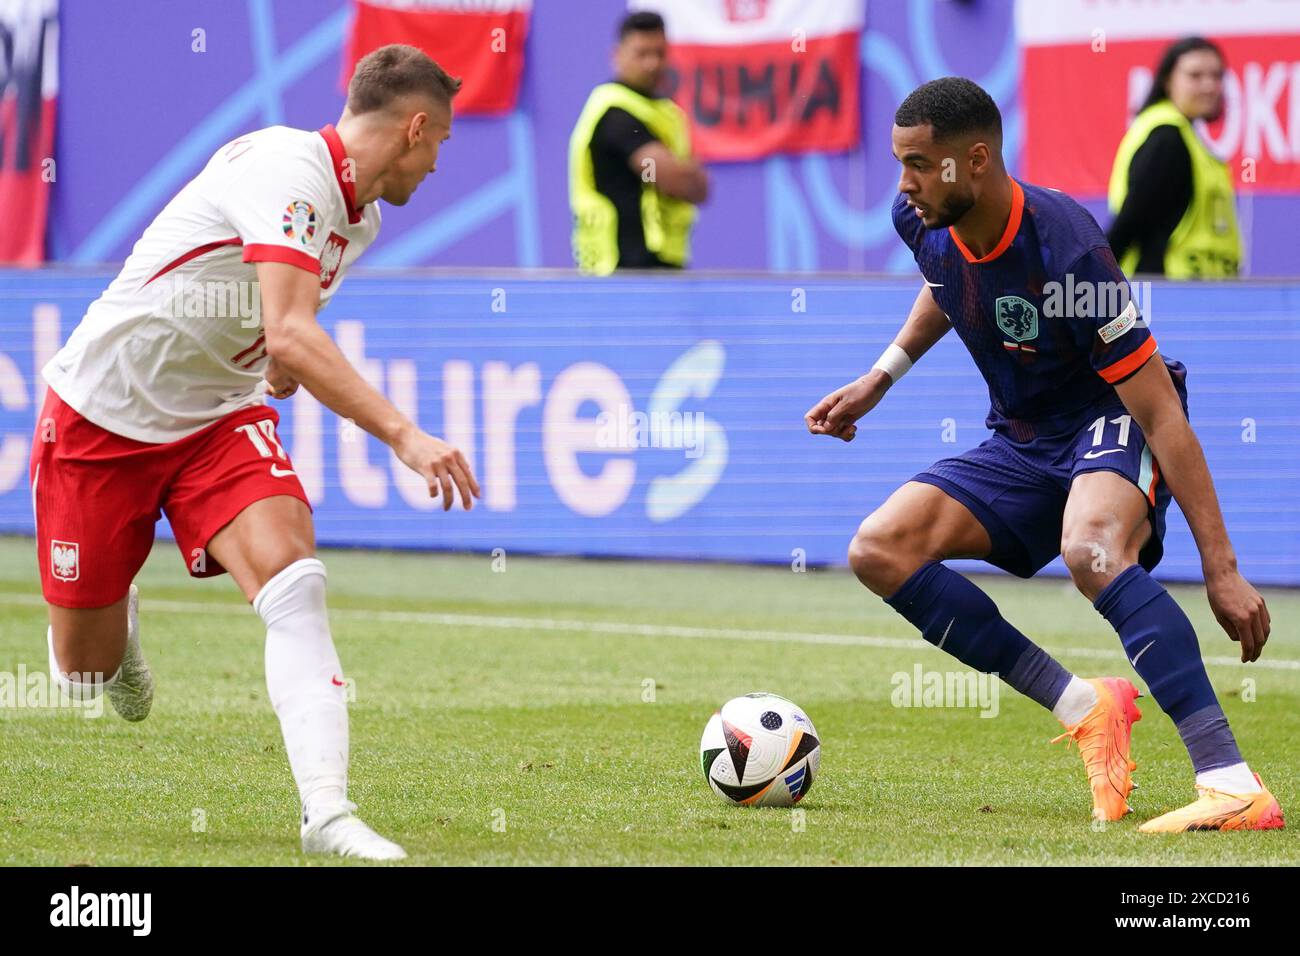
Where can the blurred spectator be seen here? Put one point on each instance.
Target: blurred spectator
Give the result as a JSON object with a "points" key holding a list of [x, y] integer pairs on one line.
{"points": [[633, 185], [1173, 198]]}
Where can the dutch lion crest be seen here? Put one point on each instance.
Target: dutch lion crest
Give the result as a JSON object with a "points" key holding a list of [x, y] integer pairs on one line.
{"points": [[1016, 317]]}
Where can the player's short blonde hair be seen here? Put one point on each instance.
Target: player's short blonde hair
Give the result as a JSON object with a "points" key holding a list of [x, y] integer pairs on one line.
{"points": [[394, 71]]}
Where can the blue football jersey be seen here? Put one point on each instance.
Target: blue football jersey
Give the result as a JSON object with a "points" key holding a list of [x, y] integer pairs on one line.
{"points": [[1047, 314]]}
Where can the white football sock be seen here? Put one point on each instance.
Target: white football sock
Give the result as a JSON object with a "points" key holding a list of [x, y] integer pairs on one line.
{"points": [[1076, 700], [304, 681], [75, 689], [1234, 779]]}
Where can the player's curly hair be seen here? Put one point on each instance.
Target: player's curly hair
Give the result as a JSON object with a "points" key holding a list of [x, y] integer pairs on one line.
{"points": [[393, 71], [953, 106]]}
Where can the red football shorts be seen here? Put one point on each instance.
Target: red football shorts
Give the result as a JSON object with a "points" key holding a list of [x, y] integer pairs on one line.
{"points": [[97, 496]]}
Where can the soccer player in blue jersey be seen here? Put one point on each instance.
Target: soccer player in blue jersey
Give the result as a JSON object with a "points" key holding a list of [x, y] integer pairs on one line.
{"points": [[1090, 440]]}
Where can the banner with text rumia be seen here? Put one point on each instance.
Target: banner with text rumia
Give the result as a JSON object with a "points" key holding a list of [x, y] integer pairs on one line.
{"points": [[1076, 111], [480, 41], [759, 77], [29, 77]]}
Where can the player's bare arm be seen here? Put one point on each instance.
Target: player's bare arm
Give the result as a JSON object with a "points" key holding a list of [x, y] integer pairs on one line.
{"points": [[302, 352], [1150, 398], [837, 413], [673, 176]]}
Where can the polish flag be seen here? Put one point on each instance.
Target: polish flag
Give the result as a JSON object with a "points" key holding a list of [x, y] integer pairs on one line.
{"points": [[1088, 65], [764, 76], [29, 91], [480, 41]]}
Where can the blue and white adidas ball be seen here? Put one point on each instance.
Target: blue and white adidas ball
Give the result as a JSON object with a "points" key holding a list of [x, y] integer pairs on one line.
{"points": [[760, 750]]}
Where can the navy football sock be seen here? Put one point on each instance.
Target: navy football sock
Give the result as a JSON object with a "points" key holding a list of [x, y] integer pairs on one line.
{"points": [[1161, 644], [957, 617]]}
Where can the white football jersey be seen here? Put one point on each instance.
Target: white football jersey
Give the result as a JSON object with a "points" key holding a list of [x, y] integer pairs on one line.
{"points": [[176, 342]]}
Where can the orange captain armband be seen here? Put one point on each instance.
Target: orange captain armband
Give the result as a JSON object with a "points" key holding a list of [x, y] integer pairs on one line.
{"points": [[1129, 363]]}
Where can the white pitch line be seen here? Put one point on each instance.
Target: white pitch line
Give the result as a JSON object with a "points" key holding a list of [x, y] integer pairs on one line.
{"points": [[622, 627]]}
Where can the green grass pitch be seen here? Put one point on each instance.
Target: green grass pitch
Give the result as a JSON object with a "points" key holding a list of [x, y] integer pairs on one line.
{"points": [[500, 718]]}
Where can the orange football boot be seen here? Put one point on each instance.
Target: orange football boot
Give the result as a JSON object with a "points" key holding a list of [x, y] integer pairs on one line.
{"points": [[1103, 737], [1214, 810]]}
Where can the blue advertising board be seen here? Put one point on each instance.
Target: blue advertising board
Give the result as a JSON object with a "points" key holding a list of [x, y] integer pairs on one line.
{"points": [[662, 417]]}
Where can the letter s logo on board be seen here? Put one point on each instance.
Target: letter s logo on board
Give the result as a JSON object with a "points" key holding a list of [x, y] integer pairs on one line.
{"points": [[694, 374]]}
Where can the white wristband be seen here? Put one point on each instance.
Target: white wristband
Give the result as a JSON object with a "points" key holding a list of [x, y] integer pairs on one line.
{"points": [[893, 362]]}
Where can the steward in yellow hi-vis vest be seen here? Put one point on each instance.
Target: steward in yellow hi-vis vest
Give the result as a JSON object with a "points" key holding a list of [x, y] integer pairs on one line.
{"points": [[633, 185], [1172, 198], [665, 222]]}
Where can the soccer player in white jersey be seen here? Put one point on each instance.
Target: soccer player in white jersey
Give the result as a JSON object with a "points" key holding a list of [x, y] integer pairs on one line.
{"points": [[157, 405]]}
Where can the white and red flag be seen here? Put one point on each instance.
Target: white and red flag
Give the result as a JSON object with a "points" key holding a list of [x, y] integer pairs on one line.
{"points": [[29, 89], [1088, 66], [765, 76], [480, 41]]}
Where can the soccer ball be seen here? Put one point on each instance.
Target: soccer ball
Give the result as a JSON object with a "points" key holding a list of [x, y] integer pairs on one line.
{"points": [[760, 750]]}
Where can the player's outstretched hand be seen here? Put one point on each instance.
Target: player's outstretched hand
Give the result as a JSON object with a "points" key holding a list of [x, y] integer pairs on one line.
{"points": [[278, 382], [441, 465], [837, 414], [1241, 611]]}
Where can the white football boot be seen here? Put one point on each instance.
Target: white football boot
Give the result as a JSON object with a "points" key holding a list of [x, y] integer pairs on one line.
{"points": [[132, 692], [339, 831]]}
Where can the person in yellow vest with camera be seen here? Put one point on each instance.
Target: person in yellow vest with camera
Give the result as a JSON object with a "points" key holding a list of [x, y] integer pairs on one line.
{"points": [[1172, 198], [633, 184]]}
